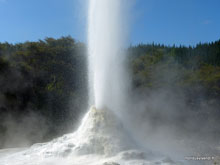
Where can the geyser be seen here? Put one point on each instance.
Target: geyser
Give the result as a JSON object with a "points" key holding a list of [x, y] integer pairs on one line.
{"points": [[101, 138], [106, 40]]}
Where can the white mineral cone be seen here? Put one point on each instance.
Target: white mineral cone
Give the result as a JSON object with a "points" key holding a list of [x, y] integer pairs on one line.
{"points": [[102, 133]]}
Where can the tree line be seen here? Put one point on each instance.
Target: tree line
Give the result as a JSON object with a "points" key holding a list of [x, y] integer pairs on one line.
{"points": [[156, 65], [49, 78]]}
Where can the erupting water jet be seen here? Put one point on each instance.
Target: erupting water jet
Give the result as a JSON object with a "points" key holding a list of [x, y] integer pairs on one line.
{"points": [[106, 39]]}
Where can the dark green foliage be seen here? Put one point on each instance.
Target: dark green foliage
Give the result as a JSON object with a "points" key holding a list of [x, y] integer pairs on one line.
{"points": [[157, 66], [46, 77], [49, 78]]}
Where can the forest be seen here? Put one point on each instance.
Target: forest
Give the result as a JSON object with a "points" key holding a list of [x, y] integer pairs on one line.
{"points": [[45, 83]]}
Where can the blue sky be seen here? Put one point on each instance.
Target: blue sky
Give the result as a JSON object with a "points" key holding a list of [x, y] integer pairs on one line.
{"points": [[169, 22]]}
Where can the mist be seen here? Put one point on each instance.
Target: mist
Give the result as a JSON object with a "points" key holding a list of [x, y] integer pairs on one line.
{"points": [[166, 120], [23, 132]]}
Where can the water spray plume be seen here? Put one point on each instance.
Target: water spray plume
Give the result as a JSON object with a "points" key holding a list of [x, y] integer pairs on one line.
{"points": [[106, 41]]}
